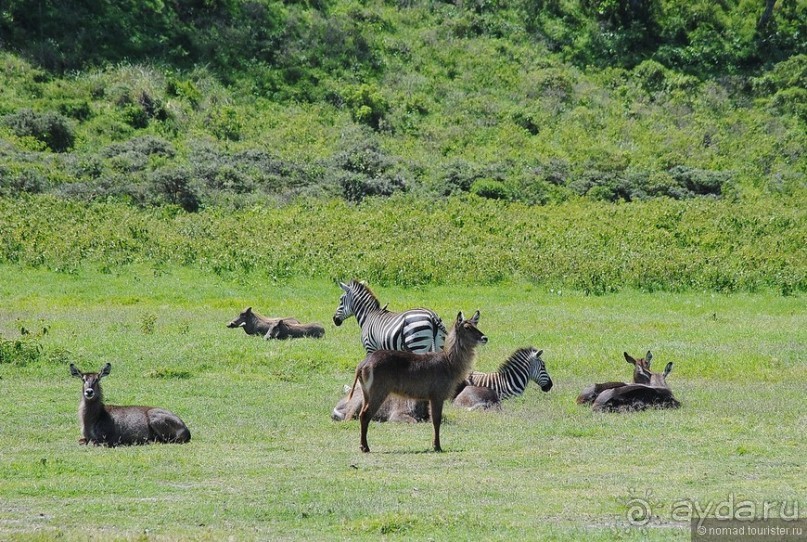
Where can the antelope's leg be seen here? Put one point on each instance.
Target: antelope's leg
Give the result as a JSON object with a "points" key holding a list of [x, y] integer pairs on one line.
{"points": [[369, 407], [437, 417]]}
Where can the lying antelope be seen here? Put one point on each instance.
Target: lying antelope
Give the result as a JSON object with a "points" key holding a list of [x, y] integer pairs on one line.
{"points": [[255, 324], [115, 425], [432, 376], [477, 398], [393, 409], [641, 375], [655, 394]]}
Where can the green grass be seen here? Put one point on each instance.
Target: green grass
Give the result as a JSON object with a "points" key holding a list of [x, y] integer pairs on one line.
{"points": [[266, 461]]}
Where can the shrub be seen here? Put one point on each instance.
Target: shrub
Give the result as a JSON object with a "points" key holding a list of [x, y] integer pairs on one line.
{"points": [[174, 186], [489, 188], [52, 129]]}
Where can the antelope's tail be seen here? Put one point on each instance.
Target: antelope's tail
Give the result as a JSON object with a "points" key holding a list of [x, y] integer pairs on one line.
{"points": [[352, 389]]}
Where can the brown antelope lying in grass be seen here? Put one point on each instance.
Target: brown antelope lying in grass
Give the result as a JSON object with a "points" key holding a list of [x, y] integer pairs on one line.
{"points": [[393, 409], [476, 397], [641, 375], [656, 394], [284, 329], [255, 324], [432, 376], [115, 425]]}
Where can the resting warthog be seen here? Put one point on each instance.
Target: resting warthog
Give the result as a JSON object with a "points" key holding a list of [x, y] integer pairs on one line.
{"points": [[285, 329], [393, 409], [656, 394], [255, 324], [641, 375], [114, 425]]}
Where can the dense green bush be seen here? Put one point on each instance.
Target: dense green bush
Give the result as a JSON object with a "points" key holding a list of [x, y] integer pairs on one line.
{"points": [[52, 129]]}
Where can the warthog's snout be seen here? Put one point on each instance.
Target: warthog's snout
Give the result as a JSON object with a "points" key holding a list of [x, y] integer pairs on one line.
{"points": [[234, 323], [336, 321]]}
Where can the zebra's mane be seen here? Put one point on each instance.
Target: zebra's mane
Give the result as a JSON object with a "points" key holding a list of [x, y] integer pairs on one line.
{"points": [[358, 287], [518, 357]]}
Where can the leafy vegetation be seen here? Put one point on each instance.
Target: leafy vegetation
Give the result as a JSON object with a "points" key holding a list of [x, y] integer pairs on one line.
{"points": [[233, 103], [596, 247]]}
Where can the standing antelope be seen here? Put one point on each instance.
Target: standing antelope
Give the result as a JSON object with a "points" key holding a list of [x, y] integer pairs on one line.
{"points": [[641, 375], [431, 376], [115, 425]]}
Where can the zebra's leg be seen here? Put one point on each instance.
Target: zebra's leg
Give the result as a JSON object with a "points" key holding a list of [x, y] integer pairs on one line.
{"points": [[437, 417]]}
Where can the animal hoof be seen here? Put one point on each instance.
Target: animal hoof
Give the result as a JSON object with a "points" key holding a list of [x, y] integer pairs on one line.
{"points": [[365, 449]]}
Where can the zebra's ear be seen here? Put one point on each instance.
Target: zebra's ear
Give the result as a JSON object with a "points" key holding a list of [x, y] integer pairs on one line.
{"points": [[668, 369], [538, 355], [344, 287]]}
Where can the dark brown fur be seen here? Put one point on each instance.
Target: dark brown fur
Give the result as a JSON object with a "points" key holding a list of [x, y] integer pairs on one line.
{"points": [[255, 324], [641, 375], [111, 425], [656, 394], [289, 330], [432, 376]]}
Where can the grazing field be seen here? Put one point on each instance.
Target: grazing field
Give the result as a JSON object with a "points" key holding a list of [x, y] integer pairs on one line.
{"points": [[266, 462]]}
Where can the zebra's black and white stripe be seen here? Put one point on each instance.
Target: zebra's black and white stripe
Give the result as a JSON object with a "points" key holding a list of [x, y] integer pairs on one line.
{"points": [[514, 374], [415, 330]]}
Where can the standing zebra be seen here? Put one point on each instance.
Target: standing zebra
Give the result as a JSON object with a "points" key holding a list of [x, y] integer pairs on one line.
{"points": [[514, 374], [415, 330]]}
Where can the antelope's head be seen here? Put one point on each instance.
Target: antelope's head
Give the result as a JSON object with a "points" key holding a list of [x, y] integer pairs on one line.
{"points": [[91, 381], [466, 331], [641, 367]]}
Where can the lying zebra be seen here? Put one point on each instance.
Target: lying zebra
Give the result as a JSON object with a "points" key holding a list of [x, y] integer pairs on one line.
{"points": [[510, 380]]}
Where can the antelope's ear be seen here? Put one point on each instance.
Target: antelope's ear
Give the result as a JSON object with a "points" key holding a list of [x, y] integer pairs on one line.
{"points": [[668, 369], [105, 370], [460, 317], [74, 371], [629, 359], [475, 318], [648, 357]]}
